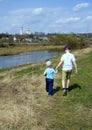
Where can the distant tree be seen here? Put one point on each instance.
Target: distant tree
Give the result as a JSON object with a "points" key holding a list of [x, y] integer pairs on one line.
{"points": [[72, 41]]}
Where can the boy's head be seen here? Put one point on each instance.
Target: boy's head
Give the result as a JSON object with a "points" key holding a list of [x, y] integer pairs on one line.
{"points": [[67, 47], [48, 63]]}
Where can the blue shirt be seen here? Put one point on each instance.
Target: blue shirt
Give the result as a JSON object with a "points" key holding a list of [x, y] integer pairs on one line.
{"points": [[49, 73]]}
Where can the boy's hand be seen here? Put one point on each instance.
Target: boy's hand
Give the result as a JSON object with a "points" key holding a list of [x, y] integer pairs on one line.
{"points": [[56, 71], [44, 74]]}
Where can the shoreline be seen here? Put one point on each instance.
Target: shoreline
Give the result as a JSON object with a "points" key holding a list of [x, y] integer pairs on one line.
{"points": [[5, 51], [77, 53]]}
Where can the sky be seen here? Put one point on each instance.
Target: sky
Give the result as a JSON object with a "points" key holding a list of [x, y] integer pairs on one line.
{"points": [[47, 16]]}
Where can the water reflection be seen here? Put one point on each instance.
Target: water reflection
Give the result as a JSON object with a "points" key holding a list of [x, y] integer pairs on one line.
{"points": [[24, 58]]}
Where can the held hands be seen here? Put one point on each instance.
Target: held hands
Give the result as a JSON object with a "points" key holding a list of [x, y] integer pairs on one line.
{"points": [[56, 71]]}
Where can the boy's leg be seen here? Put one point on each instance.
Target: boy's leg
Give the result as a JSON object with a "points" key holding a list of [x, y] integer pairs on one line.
{"points": [[63, 84], [63, 79], [67, 83], [68, 79], [64, 73], [51, 82], [47, 85]]}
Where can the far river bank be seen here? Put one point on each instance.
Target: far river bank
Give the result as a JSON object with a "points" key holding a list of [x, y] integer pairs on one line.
{"points": [[5, 51]]}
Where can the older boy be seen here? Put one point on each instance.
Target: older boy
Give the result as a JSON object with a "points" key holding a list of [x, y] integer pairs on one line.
{"points": [[67, 61]]}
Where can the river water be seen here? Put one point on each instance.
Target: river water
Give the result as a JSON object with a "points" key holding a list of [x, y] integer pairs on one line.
{"points": [[24, 58]]}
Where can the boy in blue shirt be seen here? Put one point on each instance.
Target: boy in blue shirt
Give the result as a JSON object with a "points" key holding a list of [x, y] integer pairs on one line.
{"points": [[49, 74]]}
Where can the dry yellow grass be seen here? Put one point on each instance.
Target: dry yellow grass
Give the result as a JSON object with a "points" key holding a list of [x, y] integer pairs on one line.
{"points": [[26, 48], [23, 100], [82, 51]]}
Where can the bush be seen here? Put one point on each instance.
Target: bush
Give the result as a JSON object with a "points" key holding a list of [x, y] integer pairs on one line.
{"points": [[4, 44]]}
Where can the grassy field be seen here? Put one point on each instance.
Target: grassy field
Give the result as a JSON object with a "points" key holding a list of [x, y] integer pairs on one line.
{"points": [[24, 104]]}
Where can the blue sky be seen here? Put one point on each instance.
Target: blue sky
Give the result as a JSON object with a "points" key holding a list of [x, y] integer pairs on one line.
{"points": [[48, 16]]}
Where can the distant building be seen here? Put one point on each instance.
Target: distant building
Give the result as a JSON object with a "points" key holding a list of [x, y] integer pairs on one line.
{"points": [[43, 38], [14, 39], [5, 39], [21, 31], [28, 31], [28, 39]]}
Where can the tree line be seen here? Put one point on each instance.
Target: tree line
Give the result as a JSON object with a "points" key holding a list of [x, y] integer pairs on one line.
{"points": [[74, 40]]}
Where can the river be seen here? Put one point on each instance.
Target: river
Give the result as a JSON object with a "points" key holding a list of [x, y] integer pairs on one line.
{"points": [[24, 58]]}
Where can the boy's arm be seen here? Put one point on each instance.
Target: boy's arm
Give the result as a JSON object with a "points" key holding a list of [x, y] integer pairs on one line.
{"points": [[75, 66], [59, 64], [44, 73], [55, 71]]}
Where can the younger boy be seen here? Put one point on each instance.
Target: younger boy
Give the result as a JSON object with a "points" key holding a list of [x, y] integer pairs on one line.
{"points": [[49, 73]]}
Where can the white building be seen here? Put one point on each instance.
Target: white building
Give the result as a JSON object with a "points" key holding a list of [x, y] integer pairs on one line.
{"points": [[21, 31], [28, 31]]}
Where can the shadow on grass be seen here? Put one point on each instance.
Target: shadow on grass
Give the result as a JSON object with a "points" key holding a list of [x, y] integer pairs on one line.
{"points": [[56, 89], [74, 86]]}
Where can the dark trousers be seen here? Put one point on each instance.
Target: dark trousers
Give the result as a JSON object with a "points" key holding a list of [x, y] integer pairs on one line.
{"points": [[49, 86]]}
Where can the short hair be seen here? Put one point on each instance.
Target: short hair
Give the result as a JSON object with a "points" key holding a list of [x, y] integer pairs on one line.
{"points": [[67, 47]]}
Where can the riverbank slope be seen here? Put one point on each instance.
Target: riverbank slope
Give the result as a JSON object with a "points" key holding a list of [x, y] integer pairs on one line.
{"points": [[24, 104]]}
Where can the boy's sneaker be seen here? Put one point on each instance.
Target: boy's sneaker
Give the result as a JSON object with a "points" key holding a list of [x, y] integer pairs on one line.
{"points": [[63, 89], [50, 94], [67, 89], [64, 92]]}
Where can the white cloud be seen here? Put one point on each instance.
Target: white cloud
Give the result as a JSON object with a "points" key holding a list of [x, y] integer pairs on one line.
{"points": [[88, 18], [44, 19], [24, 16], [80, 6], [37, 11], [67, 20], [20, 11]]}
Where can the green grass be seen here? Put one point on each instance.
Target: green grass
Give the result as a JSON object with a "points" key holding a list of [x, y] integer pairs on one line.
{"points": [[26, 106], [74, 111], [32, 70]]}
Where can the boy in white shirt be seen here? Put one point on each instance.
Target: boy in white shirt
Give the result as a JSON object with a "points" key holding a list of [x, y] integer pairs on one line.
{"points": [[49, 74], [67, 61]]}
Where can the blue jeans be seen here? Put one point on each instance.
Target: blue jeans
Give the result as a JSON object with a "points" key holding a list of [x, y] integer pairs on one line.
{"points": [[49, 86]]}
